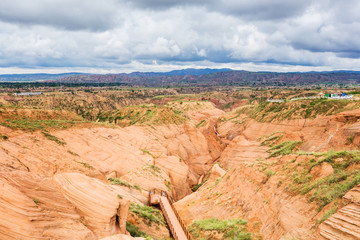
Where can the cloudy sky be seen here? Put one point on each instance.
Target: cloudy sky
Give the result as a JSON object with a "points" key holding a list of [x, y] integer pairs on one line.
{"points": [[161, 35]]}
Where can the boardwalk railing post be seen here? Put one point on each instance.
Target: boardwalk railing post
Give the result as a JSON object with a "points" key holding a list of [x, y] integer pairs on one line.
{"points": [[160, 196]]}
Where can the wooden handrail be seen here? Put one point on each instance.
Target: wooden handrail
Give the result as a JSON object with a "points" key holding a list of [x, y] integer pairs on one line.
{"points": [[188, 235], [171, 201]]}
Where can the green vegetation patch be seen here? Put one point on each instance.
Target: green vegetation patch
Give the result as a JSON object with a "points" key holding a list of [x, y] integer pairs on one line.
{"points": [[36, 201], [328, 213], [73, 153], [4, 137], [34, 124], [155, 170], [116, 181], [86, 165], [53, 138], [201, 123], [230, 228], [325, 190], [197, 186], [268, 111], [149, 153], [142, 115], [33, 120], [270, 140], [135, 231], [152, 214], [269, 173], [284, 148], [223, 119]]}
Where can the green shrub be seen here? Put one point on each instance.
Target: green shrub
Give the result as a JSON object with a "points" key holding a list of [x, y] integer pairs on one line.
{"points": [[116, 181], [328, 213], [147, 212], [142, 115], [349, 140], [36, 124], [85, 165], [269, 173], [134, 230], [147, 152], [73, 153], [283, 148], [231, 228], [271, 140], [326, 193], [53, 138], [200, 123], [4, 137], [217, 181], [266, 111], [327, 189], [155, 168], [197, 186]]}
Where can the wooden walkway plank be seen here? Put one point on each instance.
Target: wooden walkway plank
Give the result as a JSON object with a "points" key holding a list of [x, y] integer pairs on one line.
{"points": [[172, 220]]}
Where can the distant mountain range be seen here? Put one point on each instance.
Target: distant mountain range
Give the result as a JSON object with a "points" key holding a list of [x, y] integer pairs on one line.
{"points": [[183, 72], [43, 76], [196, 77], [32, 77]]}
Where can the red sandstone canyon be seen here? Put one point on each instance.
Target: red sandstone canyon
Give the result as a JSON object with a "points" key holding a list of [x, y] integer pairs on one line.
{"points": [[247, 170]]}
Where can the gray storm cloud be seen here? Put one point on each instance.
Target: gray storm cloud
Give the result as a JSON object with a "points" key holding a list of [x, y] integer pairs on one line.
{"points": [[65, 14], [113, 34]]}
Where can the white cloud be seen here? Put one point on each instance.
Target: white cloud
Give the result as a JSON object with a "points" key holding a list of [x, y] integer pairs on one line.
{"points": [[119, 34]]}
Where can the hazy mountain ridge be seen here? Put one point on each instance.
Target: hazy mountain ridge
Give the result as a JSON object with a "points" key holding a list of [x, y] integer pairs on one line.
{"points": [[32, 77], [236, 78], [197, 77], [44, 76], [183, 72]]}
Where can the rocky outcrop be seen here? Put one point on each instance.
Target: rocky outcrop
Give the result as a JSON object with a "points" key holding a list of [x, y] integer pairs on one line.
{"points": [[70, 181], [155, 230], [192, 147], [242, 151], [323, 170], [345, 223], [97, 202], [248, 193], [148, 177], [339, 132], [178, 172], [216, 172], [32, 208]]}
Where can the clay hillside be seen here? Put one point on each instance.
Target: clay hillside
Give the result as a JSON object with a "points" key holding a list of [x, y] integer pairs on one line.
{"points": [[129, 163]]}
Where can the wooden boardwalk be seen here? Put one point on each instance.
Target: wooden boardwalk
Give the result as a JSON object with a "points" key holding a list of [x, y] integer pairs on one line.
{"points": [[177, 228]]}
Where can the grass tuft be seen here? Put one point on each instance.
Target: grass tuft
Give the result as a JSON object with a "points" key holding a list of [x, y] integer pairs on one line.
{"points": [[4, 137], [147, 212], [283, 148], [135, 231], [325, 190], [328, 213], [53, 138], [230, 228], [116, 181]]}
